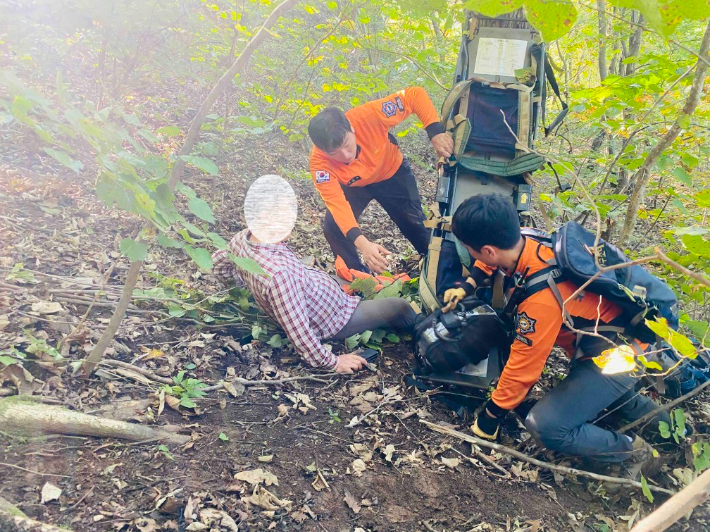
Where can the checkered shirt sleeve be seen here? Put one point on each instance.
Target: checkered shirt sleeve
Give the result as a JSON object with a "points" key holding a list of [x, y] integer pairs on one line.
{"points": [[225, 270], [288, 305]]}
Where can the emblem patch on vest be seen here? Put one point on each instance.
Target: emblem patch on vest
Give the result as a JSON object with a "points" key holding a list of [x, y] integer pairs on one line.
{"points": [[389, 108], [322, 176], [525, 323]]}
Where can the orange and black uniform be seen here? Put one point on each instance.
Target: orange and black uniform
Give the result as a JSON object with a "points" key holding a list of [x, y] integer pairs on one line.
{"points": [[561, 419], [379, 172]]}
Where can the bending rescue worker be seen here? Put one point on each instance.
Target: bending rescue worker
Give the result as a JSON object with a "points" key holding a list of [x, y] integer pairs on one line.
{"points": [[488, 226], [356, 159]]}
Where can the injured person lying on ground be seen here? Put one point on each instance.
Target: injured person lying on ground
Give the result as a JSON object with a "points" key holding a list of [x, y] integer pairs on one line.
{"points": [[307, 303]]}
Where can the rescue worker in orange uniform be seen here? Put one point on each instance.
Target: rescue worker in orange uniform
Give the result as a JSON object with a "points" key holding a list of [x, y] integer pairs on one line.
{"points": [[356, 159], [562, 420]]}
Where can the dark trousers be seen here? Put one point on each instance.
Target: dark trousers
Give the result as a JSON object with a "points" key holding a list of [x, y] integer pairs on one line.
{"points": [[563, 419], [385, 313], [399, 197]]}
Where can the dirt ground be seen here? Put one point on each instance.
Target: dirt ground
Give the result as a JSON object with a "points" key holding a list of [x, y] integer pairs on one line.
{"points": [[342, 454]]}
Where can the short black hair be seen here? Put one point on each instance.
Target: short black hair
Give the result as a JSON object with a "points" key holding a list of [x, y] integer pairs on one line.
{"points": [[487, 220], [328, 129]]}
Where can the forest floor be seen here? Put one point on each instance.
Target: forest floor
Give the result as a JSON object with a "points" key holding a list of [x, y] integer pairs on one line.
{"points": [[321, 468]]}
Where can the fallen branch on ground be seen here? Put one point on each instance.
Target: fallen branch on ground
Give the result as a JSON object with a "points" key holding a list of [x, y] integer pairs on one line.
{"points": [[12, 519], [677, 506], [655, 412], [525, 458], [220, 385], [23, 415]]}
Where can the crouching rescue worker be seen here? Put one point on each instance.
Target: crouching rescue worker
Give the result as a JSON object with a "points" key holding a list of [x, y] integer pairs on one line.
{"points": [[356, 159], [563, 419], [307, 303]]}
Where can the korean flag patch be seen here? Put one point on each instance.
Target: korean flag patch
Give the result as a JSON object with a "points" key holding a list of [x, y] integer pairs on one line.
{"points": [[322, 176], [389, 108]]}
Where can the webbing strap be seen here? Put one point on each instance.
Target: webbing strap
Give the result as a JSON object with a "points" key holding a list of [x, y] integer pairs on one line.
{"points": [[498, 301], [433, 264], [550, 75]]}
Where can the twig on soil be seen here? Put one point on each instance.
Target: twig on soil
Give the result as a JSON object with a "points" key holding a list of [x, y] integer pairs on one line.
{"points": [[656, 411], [479, 454], [525, 458], [34, 472], [220, 385]]}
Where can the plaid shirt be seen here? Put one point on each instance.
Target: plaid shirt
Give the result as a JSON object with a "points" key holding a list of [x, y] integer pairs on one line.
{"points": [[306, 302]]}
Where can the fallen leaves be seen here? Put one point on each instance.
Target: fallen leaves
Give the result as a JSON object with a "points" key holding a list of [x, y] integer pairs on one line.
{"points": [[50, 493], [258, 476], [47, 307], [352, 502]]}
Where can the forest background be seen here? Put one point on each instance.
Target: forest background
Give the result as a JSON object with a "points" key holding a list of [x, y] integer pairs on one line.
{"points": [[131, 129]]}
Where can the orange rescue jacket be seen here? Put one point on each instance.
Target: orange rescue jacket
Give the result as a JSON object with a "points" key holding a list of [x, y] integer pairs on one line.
{"points": [[539, 327], [378, 157]]}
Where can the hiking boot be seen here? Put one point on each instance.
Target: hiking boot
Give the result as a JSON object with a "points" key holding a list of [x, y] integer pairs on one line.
{"points": [[644, 461]]}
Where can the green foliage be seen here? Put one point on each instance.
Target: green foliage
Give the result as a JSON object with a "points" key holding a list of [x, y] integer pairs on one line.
{"points": [[646, 490], [185, 389], [701, 456], [166, 452], [20, 275]]}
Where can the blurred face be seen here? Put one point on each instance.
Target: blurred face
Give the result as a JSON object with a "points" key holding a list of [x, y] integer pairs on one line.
{"points": [[347, 151]]}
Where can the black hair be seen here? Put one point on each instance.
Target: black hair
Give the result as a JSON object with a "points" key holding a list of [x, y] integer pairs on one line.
{"points": [[328, 129], [487, 220]]}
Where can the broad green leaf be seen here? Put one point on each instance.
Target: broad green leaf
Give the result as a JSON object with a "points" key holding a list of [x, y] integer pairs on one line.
{"points": [[553, 18], [696, 244], [169, 131], [63, 157], [203, 163], [365, 336], [7, 361], [248, 265], [352, 341], [701, 456], [276, 341], [683, 345], [201, 209], [393, 290], [201, 256], [703, 198], [645, 489], [391, 337], [217, 240], [493, 8], [660, 327], [684, 177], [135, 251], [168, 242], [176, 310], [366, 286]]}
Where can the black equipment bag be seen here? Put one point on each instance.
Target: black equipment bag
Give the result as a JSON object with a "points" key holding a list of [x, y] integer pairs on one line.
{"points": [[446, 342]]}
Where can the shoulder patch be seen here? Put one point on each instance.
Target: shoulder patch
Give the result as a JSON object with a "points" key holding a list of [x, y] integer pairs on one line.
{"points": [[322, 176], [525, 323], [389, 108], [400, 105]]}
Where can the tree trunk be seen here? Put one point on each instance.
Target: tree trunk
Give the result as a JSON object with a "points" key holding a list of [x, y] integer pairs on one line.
{"points": [[603, 68], [643, 175], [178, 169], [28, 417]]}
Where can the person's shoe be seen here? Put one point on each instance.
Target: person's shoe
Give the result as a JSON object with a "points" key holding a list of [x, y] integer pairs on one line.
{"points": [[644, 461]]}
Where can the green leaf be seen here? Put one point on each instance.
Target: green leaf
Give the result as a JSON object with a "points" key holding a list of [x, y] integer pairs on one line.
{"points": [[168, 242], [392, 290], [366, 286], [681, 175], [701, 456], [703, 198], [660, 327], [553, 18], [493, 8], [645, 489], [679, 423], [683, 345], [63, 157], [203, 163], [169, 131], [391, 337], [248, 265], [175, 310], [696, 244], [365, 336], [201, 209], [4, 359], [201, 256], [352, 341], [135, 251], [223, 436], [187, 402], [276, 341], [664, 429], [217, 240]]}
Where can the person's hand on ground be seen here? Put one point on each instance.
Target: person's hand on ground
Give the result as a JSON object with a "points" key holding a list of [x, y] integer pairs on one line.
{"points": [[350, 363], [373, 255], [443, 144]]}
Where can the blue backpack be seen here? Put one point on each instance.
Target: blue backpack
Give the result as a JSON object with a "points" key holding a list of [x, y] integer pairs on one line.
{"points": [[640, 294]]}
